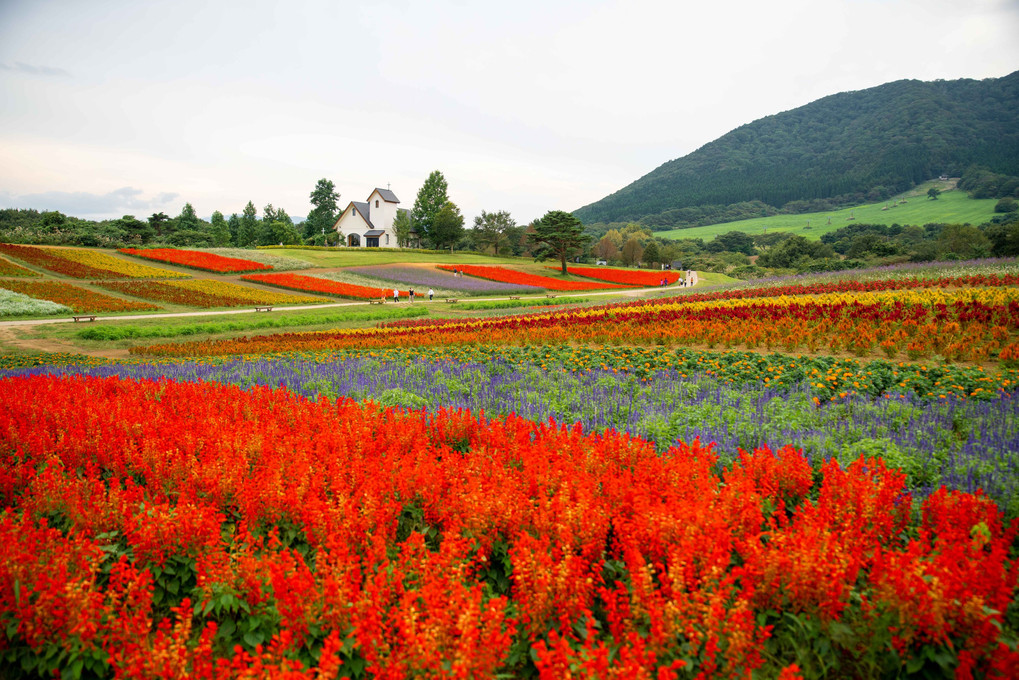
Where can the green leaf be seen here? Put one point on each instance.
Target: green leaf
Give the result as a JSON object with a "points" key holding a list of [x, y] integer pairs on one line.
{"points": [[227, 629], [253, 638], [914, 665], [73, 672]]}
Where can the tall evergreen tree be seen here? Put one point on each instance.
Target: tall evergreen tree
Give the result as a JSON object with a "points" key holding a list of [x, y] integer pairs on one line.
{"points": [[558, 234], [248, 233], [234, 225], [323, 216], [188, 219], [160, 223], [220, 230], [430, 199]]}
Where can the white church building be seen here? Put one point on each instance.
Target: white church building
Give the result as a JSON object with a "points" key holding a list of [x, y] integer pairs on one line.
{"points": [[369, 224]]}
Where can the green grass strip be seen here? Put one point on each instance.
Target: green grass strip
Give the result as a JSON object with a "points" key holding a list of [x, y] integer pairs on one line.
{"points": [[510, 304], [124, 332]]}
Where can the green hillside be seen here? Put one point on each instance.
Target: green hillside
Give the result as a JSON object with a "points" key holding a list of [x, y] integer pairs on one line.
{"points": [[952, 207], [843, 148]]}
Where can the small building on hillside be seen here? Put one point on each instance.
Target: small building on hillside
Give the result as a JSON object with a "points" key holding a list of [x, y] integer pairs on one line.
{"points": [[369, 223]]}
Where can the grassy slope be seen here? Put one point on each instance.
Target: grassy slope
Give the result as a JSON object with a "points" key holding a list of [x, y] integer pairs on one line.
{"points": [[952, 207]]}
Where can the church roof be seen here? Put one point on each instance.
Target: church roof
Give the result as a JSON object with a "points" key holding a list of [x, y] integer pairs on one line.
{"points": [[375, 232], [387, 195], [365, 210]]}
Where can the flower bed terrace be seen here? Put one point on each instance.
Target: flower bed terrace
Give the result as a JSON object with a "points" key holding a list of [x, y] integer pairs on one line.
{"points": [[513, 276], [205, 293], [630, 277], [965, 325], [196, 259], [314, 284], [76, 298], [85, 264], [443, 283], [8, 268]]}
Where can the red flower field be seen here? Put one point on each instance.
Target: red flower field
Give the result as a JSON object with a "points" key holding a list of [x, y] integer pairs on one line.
{"points": [[312, 284], [504, 275], [163, 529], [195, 259], [630, 277]]}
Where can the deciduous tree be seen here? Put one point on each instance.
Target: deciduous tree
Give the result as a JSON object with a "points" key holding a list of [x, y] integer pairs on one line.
{"points": [[402, 226], [633, 251], [606, 249], [447, 226], [651, 253], [491, 230]]}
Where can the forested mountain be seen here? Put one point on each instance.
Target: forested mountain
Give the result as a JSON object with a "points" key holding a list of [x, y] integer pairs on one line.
{"points": [[848, 147]]}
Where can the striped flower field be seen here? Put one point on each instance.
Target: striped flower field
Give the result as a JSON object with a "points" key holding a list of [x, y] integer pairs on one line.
{"points": [[809, 478]]}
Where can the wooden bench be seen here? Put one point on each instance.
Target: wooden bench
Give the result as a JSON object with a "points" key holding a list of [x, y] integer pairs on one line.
{"points": [[452, 300], [264, 309], [377, 302], [514, 297], [550, 295], [82, 317]]}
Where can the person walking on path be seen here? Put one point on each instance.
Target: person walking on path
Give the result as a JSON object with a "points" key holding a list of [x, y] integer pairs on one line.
{"points": [[411, 294], [396, 295], [430, 294]]}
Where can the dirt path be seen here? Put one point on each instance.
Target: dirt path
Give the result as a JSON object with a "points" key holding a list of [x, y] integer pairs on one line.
{"points": [[9, 337]]}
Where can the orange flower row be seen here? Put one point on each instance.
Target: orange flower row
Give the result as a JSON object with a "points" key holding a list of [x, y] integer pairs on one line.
{"points": [[77, 298], [968, 331], [312, 284], [8, 268]]}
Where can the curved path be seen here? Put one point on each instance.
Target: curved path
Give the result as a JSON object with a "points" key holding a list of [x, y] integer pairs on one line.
{"points": [[251, 310]]}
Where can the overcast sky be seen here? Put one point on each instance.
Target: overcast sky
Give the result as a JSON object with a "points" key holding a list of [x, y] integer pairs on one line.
{"points": [[113, 107]]}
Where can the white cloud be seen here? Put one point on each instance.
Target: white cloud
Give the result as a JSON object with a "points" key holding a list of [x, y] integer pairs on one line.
{"points": [[34, 70], [528, 106], [122, 201]]}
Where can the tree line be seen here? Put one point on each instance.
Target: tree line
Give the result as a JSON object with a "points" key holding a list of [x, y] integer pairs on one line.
{"points": [[434, 222]]}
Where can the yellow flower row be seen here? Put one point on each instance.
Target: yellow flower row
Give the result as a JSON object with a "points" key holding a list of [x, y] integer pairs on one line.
{"points": [[129, 270], [239, 292], [930, 297]]}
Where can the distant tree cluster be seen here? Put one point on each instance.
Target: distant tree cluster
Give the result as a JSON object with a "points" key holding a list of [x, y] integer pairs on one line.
{"points": [[183, 230], [857, 245]]}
